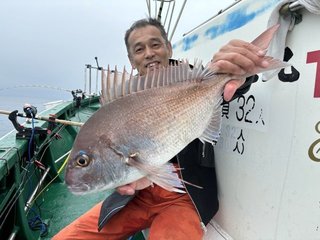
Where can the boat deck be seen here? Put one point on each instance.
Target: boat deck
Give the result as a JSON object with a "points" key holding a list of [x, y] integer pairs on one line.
{"points": [[59, 206], [21, 180]]}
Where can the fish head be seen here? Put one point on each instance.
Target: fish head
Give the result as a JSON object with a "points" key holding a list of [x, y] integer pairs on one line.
{"points": [[95, 167]]}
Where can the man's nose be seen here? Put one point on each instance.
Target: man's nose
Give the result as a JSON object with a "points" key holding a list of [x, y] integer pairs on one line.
{"points": [[149, 52]]}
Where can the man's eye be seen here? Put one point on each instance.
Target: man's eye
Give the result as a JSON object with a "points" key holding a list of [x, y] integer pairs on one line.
{"points": [[156, 45], [138, 50]]}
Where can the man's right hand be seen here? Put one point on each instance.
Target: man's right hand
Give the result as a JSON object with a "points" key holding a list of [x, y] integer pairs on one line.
{"points": [[130, 189]]}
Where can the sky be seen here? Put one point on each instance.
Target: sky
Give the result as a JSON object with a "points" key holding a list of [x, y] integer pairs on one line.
{"points": [[48, 42]]}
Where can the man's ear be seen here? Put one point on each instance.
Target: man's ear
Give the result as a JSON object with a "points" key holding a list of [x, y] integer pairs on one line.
{"points": [[169, 46], [131, 62]]}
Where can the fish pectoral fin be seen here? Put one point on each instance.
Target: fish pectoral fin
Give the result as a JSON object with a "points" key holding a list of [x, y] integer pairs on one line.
{"points": [[212, 132], [168, 178], [165, 176]]}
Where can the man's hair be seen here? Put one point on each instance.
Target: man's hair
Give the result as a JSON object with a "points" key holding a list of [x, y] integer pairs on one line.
{"points": [[143, 23]]}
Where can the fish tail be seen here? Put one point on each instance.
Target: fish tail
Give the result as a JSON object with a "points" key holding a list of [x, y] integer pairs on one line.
{"points": [[264, 39], [263, 42]]}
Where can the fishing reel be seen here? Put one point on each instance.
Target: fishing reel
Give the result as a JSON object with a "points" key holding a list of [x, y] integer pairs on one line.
{"points": [[78, 95], [29, 110], [23, 132]]}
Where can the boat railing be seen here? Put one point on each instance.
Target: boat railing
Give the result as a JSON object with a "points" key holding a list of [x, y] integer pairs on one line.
{"points": [[88, 81]]}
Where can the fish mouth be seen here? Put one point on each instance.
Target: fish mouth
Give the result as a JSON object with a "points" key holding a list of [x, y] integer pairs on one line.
{"points": [[83, 188], [80, 189]]}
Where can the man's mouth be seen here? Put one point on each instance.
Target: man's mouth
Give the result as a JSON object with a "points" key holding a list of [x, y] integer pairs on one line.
{"points": [[152, 65]]}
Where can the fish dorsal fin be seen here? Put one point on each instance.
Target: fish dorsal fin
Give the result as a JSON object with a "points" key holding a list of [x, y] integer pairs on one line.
{"points": [[116, 85]]}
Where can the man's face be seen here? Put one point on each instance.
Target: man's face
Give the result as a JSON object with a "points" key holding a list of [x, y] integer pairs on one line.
{"points": [[148, 49]]}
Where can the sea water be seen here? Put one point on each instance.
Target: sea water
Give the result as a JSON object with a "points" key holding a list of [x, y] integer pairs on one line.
{"points": [[14, 99]]}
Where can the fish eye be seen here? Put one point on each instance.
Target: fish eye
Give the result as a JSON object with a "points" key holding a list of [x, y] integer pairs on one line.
{"points": [[83, 160]]}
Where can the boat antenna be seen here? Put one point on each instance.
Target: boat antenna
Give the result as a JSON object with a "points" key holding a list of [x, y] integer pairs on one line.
{"points": [[169, 7], [98, 67], [160, 11], [178, 19], [97, 73]]}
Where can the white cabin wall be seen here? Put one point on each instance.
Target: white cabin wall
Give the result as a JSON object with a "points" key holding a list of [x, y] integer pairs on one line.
{"points": [[270, 190]]}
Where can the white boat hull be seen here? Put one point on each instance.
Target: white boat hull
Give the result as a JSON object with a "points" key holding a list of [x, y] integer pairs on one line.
{"points": [[268, 156]]}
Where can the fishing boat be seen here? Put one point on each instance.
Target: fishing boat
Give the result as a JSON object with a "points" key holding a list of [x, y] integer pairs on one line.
{"points": [[267, 158]]}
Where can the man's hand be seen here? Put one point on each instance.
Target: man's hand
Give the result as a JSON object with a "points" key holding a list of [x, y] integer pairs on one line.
{"points": [[237, 58], [130, 188]]}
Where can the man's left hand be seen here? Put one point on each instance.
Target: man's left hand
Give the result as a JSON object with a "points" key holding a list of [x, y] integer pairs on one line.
{"points": [[237, 58]]}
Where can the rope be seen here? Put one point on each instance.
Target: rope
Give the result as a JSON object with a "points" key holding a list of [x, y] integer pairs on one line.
{"points": [[36, 223], [312, 6], [277, 45]]}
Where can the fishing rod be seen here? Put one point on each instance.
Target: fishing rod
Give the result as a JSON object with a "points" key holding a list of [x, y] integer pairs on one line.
{"points": [[35, 86], [43, 118]]}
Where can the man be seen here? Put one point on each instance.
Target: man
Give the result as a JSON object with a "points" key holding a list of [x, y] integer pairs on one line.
{"points": [[141, 204]]}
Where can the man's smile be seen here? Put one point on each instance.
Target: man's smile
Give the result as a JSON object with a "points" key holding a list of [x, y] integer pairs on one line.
{"points": [[152, 64]]}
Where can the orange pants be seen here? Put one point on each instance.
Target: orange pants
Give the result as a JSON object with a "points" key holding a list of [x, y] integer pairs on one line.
{"points": [[169, 215]]}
